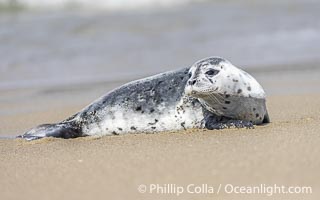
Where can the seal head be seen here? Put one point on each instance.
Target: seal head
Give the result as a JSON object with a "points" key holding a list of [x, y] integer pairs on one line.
{"points": [[226, 90]]}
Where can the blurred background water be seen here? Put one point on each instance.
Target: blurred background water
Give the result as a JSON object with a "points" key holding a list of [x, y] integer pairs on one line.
{"points": [[44, 43]]}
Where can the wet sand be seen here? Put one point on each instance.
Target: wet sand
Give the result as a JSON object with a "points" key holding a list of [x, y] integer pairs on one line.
{"points": [[284, 152]]}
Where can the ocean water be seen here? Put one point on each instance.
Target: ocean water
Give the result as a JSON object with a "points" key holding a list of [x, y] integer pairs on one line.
{"points": [[46, 43]]}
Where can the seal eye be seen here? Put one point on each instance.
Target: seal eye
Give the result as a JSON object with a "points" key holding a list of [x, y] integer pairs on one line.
{"points": [[212, 72], [189, 75]]}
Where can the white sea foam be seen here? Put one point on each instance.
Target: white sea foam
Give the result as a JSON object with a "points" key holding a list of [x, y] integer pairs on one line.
{"points": [[97, 4]]}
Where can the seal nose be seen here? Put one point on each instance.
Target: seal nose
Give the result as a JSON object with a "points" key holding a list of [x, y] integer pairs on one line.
{"points": [[192, 82]]}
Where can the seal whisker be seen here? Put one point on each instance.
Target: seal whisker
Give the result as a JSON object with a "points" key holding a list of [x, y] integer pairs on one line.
{"points": [[219, 96], [215, 99]]}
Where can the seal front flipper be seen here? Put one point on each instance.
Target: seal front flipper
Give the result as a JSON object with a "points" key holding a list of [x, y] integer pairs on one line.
{"points": [[213, 122], [59, 130], [210, 119]]}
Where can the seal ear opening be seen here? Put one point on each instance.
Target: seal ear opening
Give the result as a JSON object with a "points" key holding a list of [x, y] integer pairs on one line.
{"points": [[266, 118]]}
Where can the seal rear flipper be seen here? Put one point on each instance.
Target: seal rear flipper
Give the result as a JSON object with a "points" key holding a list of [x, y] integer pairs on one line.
{"points": [[62, 130]]}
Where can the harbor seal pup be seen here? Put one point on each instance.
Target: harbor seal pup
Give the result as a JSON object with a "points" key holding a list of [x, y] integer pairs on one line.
{"points": [[211, 94]]}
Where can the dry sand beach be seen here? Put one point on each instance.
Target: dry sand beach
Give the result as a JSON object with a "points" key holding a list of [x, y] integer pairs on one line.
{"points": [[284, 152]]}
